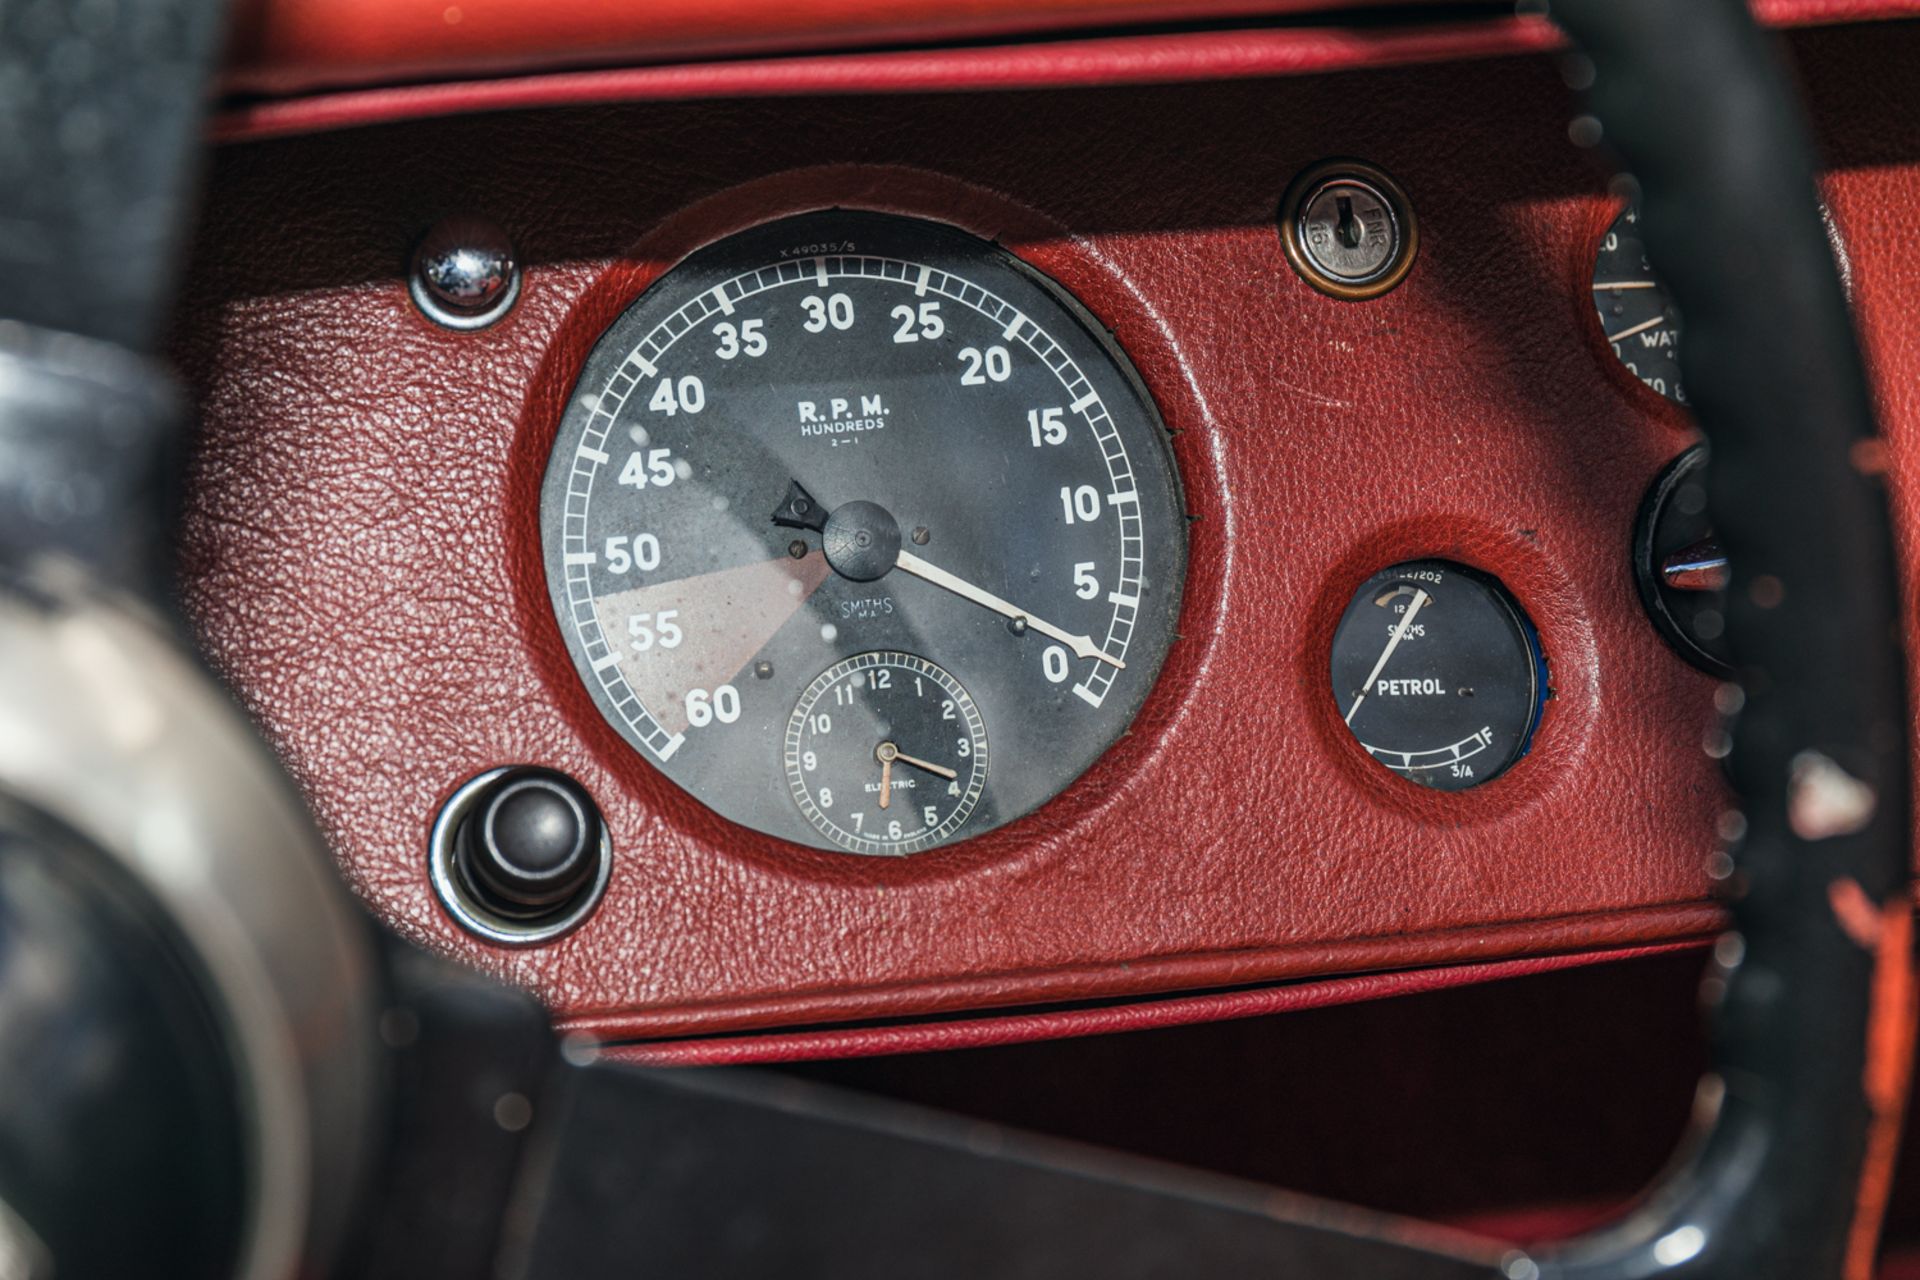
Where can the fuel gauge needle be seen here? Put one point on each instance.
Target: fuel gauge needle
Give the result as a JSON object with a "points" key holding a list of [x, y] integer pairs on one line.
{"points": [[1393, 642], [1082, 646]]}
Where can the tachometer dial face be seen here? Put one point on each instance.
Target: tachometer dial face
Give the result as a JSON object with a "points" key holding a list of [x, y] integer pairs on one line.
{"points": [[886, 753], [844, 435], [1438, 674], [1638, 317]]}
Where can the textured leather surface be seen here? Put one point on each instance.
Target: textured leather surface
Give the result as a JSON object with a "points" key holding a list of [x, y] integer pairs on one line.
{"points": [[361, 557], [282, 46]]}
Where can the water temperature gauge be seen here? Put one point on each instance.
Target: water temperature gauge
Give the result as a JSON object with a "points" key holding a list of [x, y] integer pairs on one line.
{"points": [[1438, 674], [1636, 313]]}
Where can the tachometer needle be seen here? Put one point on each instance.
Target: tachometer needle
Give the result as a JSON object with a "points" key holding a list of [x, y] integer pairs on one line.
{"points": [[1393, 642], [888, 753], [1082, 646]]}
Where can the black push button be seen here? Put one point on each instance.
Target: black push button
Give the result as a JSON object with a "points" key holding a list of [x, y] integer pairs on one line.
{"points": [[531, 845]]}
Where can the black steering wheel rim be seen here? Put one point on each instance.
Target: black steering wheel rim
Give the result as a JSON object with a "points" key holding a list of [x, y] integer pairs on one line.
{"points": [[1811, 1020]]}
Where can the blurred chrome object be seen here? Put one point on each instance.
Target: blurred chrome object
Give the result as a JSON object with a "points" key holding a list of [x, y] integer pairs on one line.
{"points": [[464, 274], [190, 1074], [1701, 567], [111, 733], [22, 1255]]}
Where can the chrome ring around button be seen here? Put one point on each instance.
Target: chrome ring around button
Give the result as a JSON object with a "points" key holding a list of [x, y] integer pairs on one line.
{"points": [[474, 916]]}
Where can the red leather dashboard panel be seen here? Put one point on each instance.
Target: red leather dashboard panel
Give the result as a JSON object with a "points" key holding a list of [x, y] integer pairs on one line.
{"points": [[360, 555]]}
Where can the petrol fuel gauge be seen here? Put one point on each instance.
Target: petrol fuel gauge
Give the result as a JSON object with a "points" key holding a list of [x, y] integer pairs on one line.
{"points": [[1438, 674]]}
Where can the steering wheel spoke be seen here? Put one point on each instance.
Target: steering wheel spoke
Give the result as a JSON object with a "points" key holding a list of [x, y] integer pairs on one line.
{"points": [[704, 1173]]}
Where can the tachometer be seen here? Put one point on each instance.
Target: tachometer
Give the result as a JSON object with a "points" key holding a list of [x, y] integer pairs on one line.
{"points": [[842, 498]]}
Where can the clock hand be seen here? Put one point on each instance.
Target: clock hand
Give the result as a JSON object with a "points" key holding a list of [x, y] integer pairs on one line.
{"points": [[888, 753]]}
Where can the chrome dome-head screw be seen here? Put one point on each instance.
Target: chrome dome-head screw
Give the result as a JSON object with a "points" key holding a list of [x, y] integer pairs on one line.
{"points": [[465, 274]]}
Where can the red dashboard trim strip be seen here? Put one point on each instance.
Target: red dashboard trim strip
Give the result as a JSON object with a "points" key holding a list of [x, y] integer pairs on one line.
{"points": [[1119, 60], [291, 46], [1155, 58], [1372, 963], [1021, 1028], [288, 47]]}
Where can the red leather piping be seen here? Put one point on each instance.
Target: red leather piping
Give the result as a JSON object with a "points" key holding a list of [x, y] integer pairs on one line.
{"points": [[288, 45], [1519, 944], [1021, 1028]]}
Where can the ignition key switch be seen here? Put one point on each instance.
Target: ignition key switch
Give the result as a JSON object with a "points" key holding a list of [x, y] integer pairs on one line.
{"points": [[1348, 230]]}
